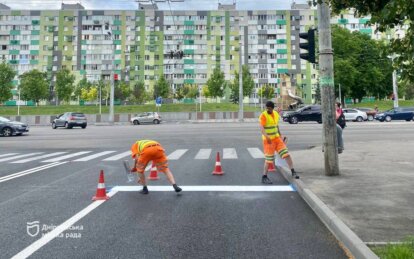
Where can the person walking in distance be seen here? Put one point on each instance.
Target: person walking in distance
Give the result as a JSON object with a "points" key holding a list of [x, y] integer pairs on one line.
{"points": [[272, 141], [340, 125], [144, 151]]}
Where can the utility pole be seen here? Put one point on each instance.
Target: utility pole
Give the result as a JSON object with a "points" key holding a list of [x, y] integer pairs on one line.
{"points": [[340, 100], [240, 81], [330, 143]]}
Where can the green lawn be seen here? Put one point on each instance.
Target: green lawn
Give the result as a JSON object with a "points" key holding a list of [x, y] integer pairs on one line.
{"points": [[401, 251], [54, 110], [382, 105]]}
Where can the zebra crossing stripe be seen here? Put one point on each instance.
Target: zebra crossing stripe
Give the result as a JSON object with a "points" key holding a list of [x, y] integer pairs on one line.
{"points": [[229, 153], [203, 153], [19, 156], [67, 156], [37, 157], [87, 158], [255, 152], [177, 154], [9, 154], [119, 156]]}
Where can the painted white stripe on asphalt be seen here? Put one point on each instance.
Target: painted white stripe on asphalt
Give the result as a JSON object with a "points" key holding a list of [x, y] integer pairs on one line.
{"points": [[210, 188], [30, 171], [37, 158], [255, 152], [177, 154], [9, 154], [87, 158], [203, 154], [229, 153], [19, 156], [119, 156], [66, 157], [59, 229]]}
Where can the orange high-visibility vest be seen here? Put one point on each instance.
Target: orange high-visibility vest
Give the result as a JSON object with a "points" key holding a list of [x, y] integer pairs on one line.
{"points": [[271, 125]]}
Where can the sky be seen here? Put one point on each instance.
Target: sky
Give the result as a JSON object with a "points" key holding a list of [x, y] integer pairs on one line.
{"points": [[131, 4]]}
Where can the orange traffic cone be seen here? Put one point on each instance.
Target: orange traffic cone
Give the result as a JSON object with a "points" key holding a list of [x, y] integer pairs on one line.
{"points": [[217, 169], [101, 190], [153, 173], [271, 168]]}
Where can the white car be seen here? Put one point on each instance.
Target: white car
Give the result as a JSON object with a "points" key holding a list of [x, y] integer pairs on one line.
{"points": [[146, 117], [355, 115]]}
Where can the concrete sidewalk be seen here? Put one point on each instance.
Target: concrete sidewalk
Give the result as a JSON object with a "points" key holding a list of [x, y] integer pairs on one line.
{"points": [[374, 193]]}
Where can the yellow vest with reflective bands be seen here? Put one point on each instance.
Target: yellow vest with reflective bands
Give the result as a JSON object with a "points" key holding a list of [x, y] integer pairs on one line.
{"points": [[144, 143], [271, 125]]}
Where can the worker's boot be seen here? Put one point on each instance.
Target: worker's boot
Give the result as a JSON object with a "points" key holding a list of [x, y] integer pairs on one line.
{"points": [[266, 180], [144, 190]]}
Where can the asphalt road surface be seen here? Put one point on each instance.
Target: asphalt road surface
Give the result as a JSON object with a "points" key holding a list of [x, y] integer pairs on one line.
{"points": [[48, 177]]}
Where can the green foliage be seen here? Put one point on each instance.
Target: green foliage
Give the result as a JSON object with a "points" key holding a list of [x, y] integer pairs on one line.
{"points": [[90, 94], [216, 83], [389, 14], [82, 84], [396, 251], [360, 66], [186, 91], [122, 91], [162, 88], [248, 84], [138, 93], [34, 86], [266, 92], [318, 96], [64, 84], [6, 77]]}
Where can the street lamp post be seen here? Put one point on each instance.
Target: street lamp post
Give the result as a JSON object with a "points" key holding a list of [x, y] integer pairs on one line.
{"points": [[394, 82], [240, 81], [18, 104]]}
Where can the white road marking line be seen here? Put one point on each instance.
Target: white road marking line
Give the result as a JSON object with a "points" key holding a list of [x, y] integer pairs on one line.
{"points": [[177, 154], [60, 229], [30, 171], [255, 152], [210, 188], [37, 158], [66, 157], [203, 154], [87, 158], [119, 156], [19, 156], [229, 153], [9, 154]]}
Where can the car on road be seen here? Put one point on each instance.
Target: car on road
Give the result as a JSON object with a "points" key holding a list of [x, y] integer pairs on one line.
{"points": [[370, 113], [354, 115], [307, 113], [146, 117], [399, 113], [70, 120], [9, 127]]}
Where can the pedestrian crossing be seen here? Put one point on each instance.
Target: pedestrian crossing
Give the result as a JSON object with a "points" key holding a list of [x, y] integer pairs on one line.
{"points": [[112, 155]]}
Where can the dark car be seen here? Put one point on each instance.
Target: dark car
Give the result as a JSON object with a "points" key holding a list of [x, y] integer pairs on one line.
{"points": [[307, 113], [399, 113], [370, 113], [70, 120], [9, 128]]}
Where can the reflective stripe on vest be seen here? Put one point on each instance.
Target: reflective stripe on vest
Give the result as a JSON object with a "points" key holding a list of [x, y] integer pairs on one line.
{"points": [[143, 143], [271, 125]]}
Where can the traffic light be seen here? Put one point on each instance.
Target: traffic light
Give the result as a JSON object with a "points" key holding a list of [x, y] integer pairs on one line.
{"points": [[309, 46], [116, 78]]}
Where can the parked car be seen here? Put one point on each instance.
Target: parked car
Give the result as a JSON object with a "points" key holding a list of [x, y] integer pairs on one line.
{"points": [[9, 128], [355, 115], [307, 113], [399, 113], [146, 117], [70, 120], [370, 113]]}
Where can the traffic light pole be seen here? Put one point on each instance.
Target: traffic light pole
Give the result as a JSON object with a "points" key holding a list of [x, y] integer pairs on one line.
{"points": [[111, 97], [330, 143], [241, 80]]}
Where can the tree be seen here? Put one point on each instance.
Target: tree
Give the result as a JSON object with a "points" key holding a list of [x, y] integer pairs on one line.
{"points": [[6, 77], [34, 86], [161, 88], [216, 83], [64, 85], [247, 84], [138, 92], [187, 91], [266, 91], [82, 84], [318, 97], [122, 91], [389, 14]]}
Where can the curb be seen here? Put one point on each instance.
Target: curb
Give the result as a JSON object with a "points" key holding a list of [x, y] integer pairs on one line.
{"points": [[337, 227]]}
